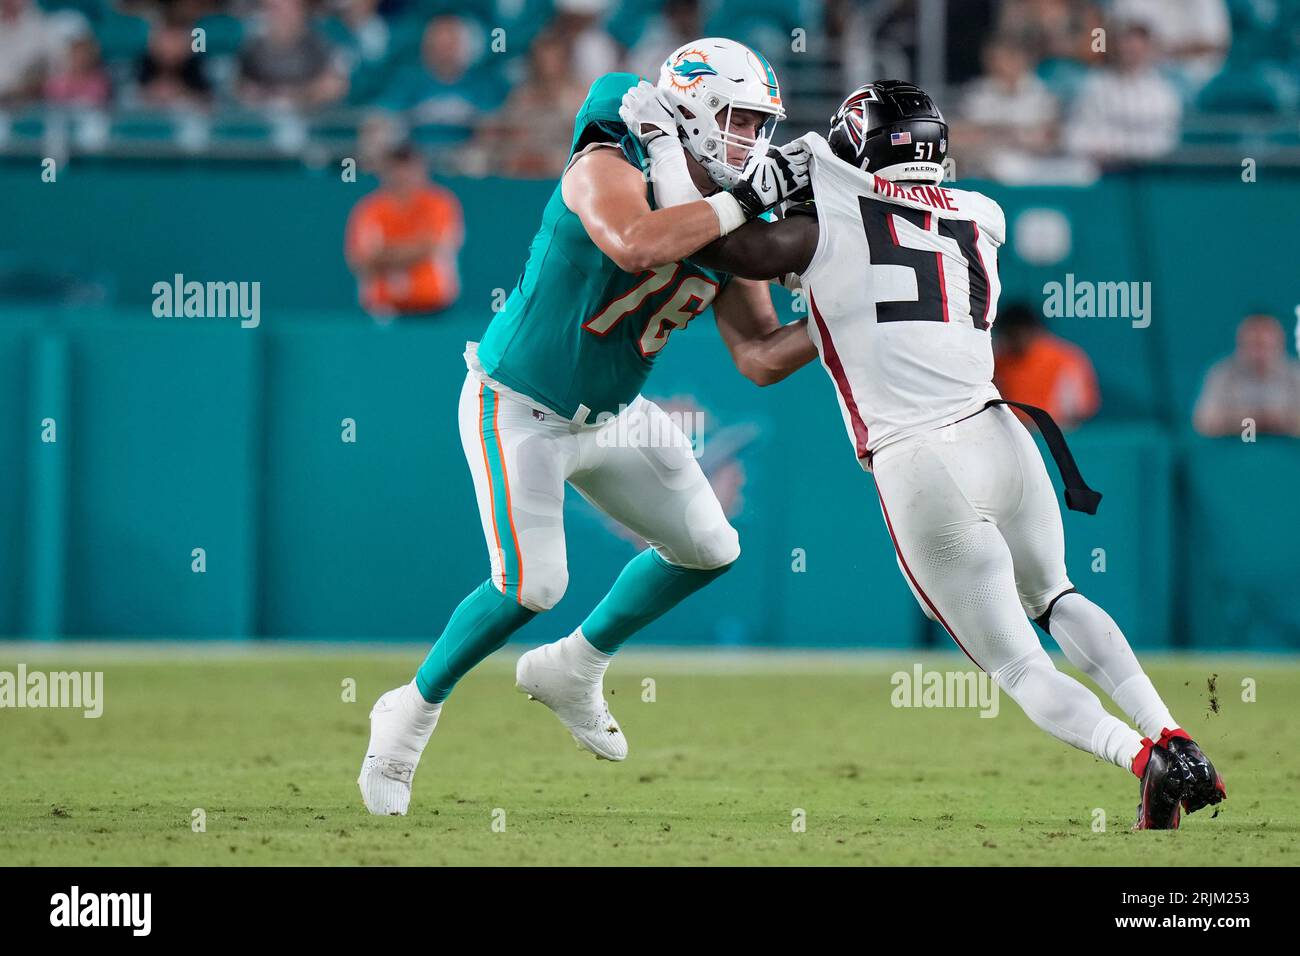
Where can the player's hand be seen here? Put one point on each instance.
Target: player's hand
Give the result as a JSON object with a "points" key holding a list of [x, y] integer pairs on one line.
{"points": [[773, 178], [646, 115]]}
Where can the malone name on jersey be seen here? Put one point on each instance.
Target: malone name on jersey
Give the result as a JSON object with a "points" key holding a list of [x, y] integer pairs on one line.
{"points": [[936, 196]]}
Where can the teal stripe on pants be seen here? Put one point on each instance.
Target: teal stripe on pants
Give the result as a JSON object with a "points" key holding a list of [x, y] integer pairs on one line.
{"points": [[511, 583]]}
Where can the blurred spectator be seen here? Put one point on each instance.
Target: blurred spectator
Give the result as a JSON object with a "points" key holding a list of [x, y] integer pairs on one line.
{"points": [[366, 30], [29, 42], [442, 89], [1125, 111], [1051, 29], [1193, 33], [1258, 381], [678, 23], [288, 63], [403, 240], [79, 79], [530, 135], [592, 52], [169, 71], [1008, 111], [1036, 367], [365, 44]]}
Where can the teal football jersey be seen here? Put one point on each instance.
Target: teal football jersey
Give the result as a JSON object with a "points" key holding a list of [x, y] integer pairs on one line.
{"points": [[578, 332]]}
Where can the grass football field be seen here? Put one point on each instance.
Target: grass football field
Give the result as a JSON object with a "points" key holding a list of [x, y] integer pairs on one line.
{"points": [[266, 746]]}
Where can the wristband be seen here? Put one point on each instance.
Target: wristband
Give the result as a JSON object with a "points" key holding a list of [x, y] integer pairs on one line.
{"points": [[731, 215]]}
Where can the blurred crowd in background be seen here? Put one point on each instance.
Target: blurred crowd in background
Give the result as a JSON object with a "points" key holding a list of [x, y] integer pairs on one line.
{"points": [[1035, 89]]}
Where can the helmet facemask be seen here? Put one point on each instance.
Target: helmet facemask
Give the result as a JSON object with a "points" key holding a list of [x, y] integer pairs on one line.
{"points": [[709, 138], [726, 174]]}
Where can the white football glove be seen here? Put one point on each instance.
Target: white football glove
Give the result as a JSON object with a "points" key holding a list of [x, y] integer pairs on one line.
{"points": [[773, 178], [646, 115]]}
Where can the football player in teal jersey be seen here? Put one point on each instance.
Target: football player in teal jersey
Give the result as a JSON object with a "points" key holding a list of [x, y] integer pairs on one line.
{"points": [[553, 392]]}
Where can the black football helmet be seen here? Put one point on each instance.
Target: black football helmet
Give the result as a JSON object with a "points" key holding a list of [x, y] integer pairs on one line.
{"points": [[893, 129]]}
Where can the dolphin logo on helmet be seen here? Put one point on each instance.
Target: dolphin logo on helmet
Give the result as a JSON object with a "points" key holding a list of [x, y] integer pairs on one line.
{"points": [[687, 72]]}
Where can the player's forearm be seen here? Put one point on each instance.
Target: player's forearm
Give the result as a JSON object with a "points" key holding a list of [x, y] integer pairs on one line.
{"points": [[770, 358], [608, 195], [748, 252], [763, 250], [666, 235]]}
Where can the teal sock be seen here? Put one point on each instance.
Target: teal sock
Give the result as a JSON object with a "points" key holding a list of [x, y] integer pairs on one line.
{"points": [[479, 626], [645, 589]]}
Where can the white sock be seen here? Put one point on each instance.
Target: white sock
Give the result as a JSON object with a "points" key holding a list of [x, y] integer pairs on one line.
{"points": [[421, 713], [1116, 741], [588, 662], [1066, 709], [1093, 642], [1137, 697]]}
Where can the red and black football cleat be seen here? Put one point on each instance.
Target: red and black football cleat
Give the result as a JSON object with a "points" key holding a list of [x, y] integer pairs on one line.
{"points": [[1207, 786], [1166, 780]]}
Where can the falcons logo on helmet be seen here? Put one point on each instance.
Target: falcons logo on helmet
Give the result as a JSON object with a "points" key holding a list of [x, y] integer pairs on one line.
{"points": [[854, 115]]}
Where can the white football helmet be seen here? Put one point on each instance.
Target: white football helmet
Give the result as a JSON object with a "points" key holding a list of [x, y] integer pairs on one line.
{"points": [[700, 80]]}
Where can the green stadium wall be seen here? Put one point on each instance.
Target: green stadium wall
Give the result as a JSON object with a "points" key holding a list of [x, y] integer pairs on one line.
{"points": [[175, 434]]}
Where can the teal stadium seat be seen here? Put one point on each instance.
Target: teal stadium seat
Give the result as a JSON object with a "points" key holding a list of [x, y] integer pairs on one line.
{"points": [[628, 21], [154, 127], [224, 34], [523, 24], [732, 18], [1263, 32], [122, 37], [1062, 77], [405, 33], [92, 10], [1237, 90]]}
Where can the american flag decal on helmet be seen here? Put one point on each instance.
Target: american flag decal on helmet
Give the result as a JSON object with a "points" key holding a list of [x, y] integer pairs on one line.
{"points": [[900, 139]]}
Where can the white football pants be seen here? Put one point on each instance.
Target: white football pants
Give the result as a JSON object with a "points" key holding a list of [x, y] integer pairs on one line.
{"points": [[638, 468], [977, 530]]}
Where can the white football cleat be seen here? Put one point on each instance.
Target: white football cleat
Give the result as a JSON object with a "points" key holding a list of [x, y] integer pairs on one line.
{"points": [[567, 676], [400, 725]]}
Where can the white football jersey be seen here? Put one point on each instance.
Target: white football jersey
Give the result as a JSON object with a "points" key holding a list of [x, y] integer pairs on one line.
{"points": [[901, 294]]}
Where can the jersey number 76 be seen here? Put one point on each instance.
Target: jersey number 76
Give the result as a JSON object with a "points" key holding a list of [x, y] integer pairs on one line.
{"points": [[692, 295]]}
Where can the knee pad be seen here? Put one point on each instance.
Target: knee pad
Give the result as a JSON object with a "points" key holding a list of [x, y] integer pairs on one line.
{"points": [[542, 587], [714, 550], [719, 550]]}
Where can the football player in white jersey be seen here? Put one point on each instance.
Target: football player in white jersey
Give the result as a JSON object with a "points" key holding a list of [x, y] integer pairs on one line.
{"points": [[901, 280]]}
